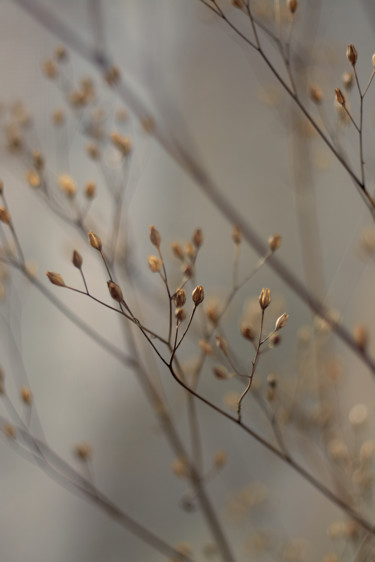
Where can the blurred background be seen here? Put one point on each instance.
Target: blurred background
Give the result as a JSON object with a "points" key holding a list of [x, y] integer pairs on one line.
{"points": [[213, 95]]}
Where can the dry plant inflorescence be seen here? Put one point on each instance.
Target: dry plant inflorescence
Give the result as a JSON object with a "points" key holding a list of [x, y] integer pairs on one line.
{"points": [[293, 416]]}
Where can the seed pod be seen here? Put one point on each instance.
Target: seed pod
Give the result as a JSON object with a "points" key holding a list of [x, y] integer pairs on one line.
{"points": [[292, 5], [340, 98], [316, 94], [83, 451], [123, 144], [5, 216], [180, 314], [155, 237], [198, 295], [281, 321], [274, 242], [351, 54], [222, 344], [264, 298], [77, 259], [95, 241], [26, 395], [198, 238], [180, 298], [154, 263], [373, 60], [56, 279], [247, 332], [90, 190], [360, 336], [115, 291], [178, 251]]}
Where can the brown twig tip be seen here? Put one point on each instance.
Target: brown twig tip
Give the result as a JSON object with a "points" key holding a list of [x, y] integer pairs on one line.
{"points": [[281, 321], [56, 279], [5, 216], [95, 241], [155, 264], [155, 237], [274, 242], [26, 395], [198, 238], [77, 259], [264, 298], [351, 54], [115, 291], [340, 98], [236, 234], [198, 295], [292, 6]]}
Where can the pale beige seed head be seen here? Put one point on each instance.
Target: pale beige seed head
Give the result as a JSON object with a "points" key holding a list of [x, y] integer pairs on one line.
{"points": [[274, 242], [367, 451], [115, 291], [351, 54], [264, 298], [83, 451], [198, 295], [155, 264], [179, 467], [220, 372], [373, 60], [95, 241], [26, 395], [56, 279], [180, 297], [77, 259], [358, 415], [155, 237], [198, 238], [281, 321], [236, 234], [5, 216]]}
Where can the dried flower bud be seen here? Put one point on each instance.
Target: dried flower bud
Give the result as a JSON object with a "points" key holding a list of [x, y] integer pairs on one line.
{"points": [[274, 242], [83, 451], [115, 291], [347, 79], [247, 332], [222, 344], [358, 415], [206, 347], [236, 234], [9, 430], [155, 237], [198, 238], [1, 187], [360, 336], [33, 178], [212, 313], [38, 160], [60, 53], [198, 295], [274, 340], [351, 54], [188, 271], [220, 372], [95, 241], [240, 4], [220, 458], [178, 251], [123, 144], [316, 94], [90, 190], [50, 69], [264, 298], [373, 60], [180, 467], [58, 117], [180, 314], [189, 250], [77, 259], [180, 297], [93, 151], [154, 263], [56, 279], [292, 5], [272, 380], [67, 185], [281, 321], [112, 75], [5, 215], [340, 98], [26, 395]]}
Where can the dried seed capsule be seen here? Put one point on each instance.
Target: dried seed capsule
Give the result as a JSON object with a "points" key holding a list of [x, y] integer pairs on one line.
{"points": [[373, 60], [155, 237], [115, 291], [198, 238], [316, 94], [90, 190], [26, 395], [83, 451], [360, 336], [178, 251], [264, 298], [5, 216], [247, 332], [281, 321], [95, 241], [56, 279], [274, 242], [340, 98], [351, 54], [154, 263], [180, 298], [180, 314], [198, 295], [124, 144], [77, 259], [292, 5]]}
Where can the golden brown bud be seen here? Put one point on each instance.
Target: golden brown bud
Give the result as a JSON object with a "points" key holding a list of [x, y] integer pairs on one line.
{"points": [[58, 117], [220, 372], [1, 187], [247, 332], [77, 259], [198, 238], [281, 321], [347, 79], [240, 4], [115, 291], [272, 380], [60, 53], [50, 69], [222, 344], [198, 295], [67, 185], [93, 151], [220, 458], [95, 241], [83, 451], [112, 75], [316, 94], [360, 336], [155, 237], [264, 298], [124, 144], [340, 98], [274, 242], [180, 314], [5, 215], [33, 178], [56, 279], [9, 430], [292, 5], [236, 234], [90, 190], [178, 251], [180, 298], [38, 160], [155, 264], [26, 395], [351, 54]]}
